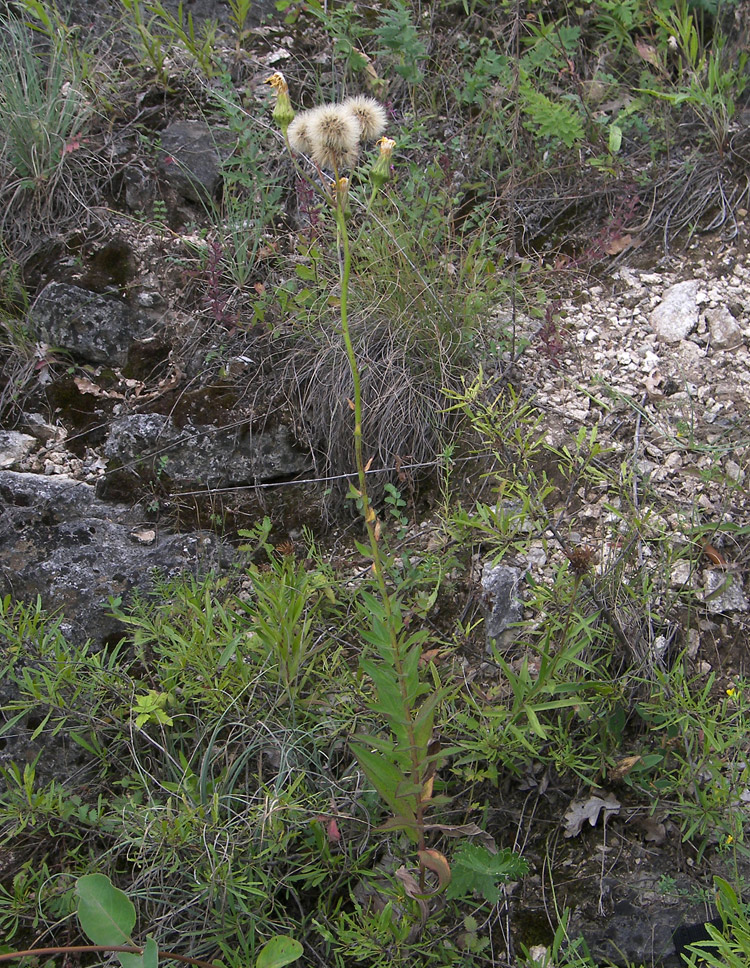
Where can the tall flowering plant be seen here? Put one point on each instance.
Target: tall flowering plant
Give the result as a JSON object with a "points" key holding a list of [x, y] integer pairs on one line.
{"points": [[401, 763]]}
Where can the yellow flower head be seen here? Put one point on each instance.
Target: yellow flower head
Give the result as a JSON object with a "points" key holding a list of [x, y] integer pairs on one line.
{"points": [[278, 82], [334, 136], [370, 115], [380, 172], [283, 113]]}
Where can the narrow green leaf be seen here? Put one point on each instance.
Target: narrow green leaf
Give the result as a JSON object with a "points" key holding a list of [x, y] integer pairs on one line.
{"points": [[386, 778], [534, 722]]}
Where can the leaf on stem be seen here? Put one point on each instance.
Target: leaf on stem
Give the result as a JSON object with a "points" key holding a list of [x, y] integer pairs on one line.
{"points": [[436, 862]]}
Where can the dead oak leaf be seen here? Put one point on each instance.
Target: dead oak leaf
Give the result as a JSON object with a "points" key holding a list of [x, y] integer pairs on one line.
{"points": [[654, 831], [580, 811]]}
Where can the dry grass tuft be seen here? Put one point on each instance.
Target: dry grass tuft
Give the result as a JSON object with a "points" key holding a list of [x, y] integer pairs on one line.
{"points": [[404, 418]]}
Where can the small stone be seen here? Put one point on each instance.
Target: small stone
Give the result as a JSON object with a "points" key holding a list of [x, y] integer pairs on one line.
{"points": [[734, 471], [14, 446], [724, 329], [502, 602], [38, 427], [722, 591], [682, 575], [144, 537], [536, 556]]}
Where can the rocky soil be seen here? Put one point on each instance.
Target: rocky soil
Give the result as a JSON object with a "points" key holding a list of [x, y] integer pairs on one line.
{"points": [[657, 359]]}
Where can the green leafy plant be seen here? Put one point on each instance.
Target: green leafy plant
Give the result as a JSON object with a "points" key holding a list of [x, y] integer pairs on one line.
{"points": [[151, 708], [400, 40], [282, 616], [401, 764], [201, 45], [153, 46], [708, 83], [41, 111], [107, 917], [729, 946], [475, 869]]}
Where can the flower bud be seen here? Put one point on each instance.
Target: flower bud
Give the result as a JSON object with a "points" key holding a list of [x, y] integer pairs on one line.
{"points": [[380, 172], [341, 194], [283, 112]]}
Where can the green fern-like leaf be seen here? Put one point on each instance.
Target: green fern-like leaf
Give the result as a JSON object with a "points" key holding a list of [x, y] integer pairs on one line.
{"points": [[549, 119]]}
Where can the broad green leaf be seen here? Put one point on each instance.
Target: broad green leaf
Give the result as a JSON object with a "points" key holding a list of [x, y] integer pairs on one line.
{"points": [[279, 951], [106, 913]]}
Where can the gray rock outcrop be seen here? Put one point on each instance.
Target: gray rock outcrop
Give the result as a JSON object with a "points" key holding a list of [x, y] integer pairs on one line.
{"points": [[94, 328], [59, 541], [151, 445]]}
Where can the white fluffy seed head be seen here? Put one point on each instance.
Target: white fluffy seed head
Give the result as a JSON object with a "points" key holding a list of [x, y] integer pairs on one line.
{"points": [[370, 115], [334, 136], [298, 134]]}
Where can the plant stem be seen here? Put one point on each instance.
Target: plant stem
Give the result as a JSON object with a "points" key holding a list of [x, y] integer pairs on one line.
{"points": [[371, 518]]}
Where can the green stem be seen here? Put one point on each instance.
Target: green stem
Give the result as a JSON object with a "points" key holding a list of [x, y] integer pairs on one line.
{"points": [[370, 516]]}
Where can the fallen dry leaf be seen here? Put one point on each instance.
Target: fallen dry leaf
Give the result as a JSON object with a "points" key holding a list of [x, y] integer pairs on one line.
{"points": [[86, 386], [654, 831], [714, 555], [623, 767], [619, 244], [580, 811], [466, 830], [436, 862], [411, 889], [648, 53]]}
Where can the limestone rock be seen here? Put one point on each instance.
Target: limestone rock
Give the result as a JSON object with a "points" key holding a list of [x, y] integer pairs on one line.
{"points": [[59, 541], [98, 329], [14, 446], [152, 446], [191, 159], [723, 592], [502, 602], [676, 316]]}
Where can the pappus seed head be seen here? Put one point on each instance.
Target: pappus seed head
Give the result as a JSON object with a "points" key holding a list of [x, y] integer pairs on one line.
{"points": [[334, 136], [370, 115]]}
